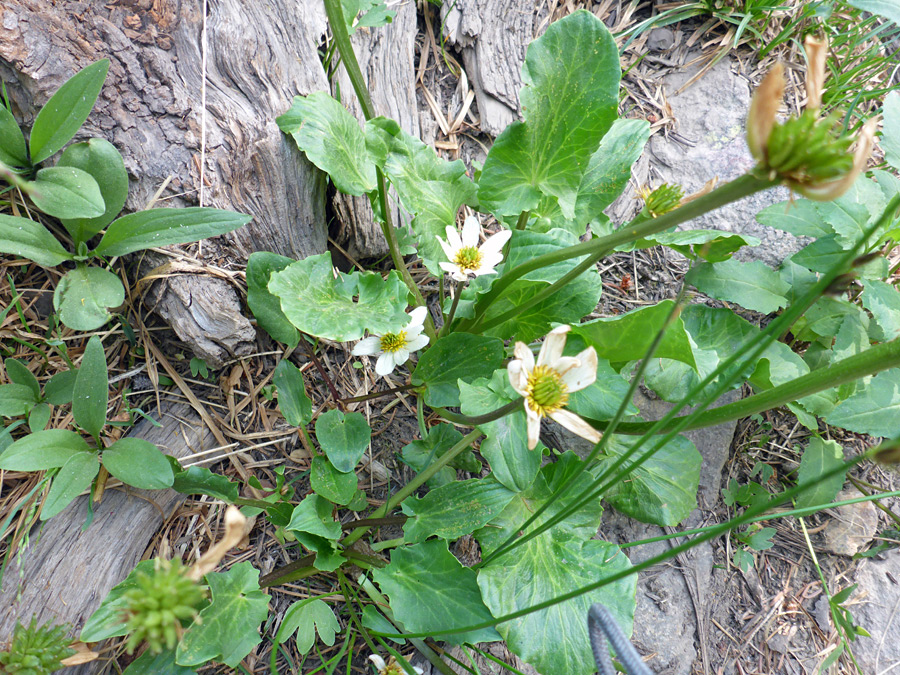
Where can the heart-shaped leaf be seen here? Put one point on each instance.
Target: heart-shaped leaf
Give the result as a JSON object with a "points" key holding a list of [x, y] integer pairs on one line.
{"points": [[84, 296], [343, 437]]}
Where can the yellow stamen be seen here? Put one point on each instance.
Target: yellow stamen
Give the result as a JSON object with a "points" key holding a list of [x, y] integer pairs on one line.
{"points": [[392, 342], [546, 392], [467, 258]]}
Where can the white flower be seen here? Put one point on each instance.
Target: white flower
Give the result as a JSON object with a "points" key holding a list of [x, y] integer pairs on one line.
{"points": [[546, 385], [393, 349], [391, 667], [464, 254]]}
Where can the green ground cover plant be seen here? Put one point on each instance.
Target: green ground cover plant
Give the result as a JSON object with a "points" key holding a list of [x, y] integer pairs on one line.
{"points": [[510, 349]]}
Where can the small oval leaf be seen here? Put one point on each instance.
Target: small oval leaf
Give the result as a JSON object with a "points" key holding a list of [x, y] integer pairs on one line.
{"points": [[99, 158], [139, 463], [42, 450], [67, 192], [74, 477], [91, 389]]}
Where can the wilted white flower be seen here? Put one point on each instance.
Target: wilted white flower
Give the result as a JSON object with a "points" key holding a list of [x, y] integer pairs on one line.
{"points": [[391, 667], [547, 384], [466, 257], [393, 349]]}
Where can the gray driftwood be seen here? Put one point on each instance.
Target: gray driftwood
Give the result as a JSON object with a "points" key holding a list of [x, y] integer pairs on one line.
{"points": [[65, 572], [386, 58]]}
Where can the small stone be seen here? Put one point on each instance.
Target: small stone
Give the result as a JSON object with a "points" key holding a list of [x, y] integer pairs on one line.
{"points": [[660, 39], [875, 607], [853, 526]]}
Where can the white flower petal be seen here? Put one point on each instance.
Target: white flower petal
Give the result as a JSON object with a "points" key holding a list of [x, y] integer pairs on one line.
{"points": [[450, 268], [454, 240], [518, 378], [495, 243], [378, 661], [401, 356], [417, 343], [564, 364], [553, 346], [534, 427], [585, 373], [470, 231], [385, 364], [576, 425], [367, 347], [448, 250], [523, 353], [483, 269], [417, 317]]}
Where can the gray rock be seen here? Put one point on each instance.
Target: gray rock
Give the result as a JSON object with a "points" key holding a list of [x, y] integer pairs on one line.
{"points": [[876, 607], [660, 39], [852, 527], [711, 115]]}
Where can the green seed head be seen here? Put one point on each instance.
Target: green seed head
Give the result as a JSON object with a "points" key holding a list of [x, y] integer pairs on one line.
{"points": [[157, 605], [546, 392], [806, 150], [36, 650], [468, 258], [392, 342], [663, 199]]}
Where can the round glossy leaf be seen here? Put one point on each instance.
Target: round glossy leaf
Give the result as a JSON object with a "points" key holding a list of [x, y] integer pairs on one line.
{"points": [[84, 295], [67, 192], [344, 438], [99, 158], [139, 463]]}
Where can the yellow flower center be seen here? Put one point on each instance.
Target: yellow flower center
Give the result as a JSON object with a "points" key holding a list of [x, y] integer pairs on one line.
{"points": [[392, 668], [468, 258], [392, 342], [546, 392]]}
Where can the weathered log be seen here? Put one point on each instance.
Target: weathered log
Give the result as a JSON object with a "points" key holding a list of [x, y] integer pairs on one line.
{"points": [[386, 57], [66, 572]]}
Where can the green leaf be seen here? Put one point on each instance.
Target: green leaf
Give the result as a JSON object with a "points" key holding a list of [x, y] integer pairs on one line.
{"points": [[709, 245], [890, 137], [376, 621], [344, 438], [332, 140], [847, 216], [337, 306], [328, 557], [313, 515], [309, 618], [328, 482], [558, 561], [198, 480], [663, 490], [13, 152], [39, 417], [100, 159], [18, 373], [65, 112], [265, 306], [440, 438], [753, 285], [797, 216], [458, 356], [874, 410], [139, 463], [506, 444], [600, 400], [292, 399], [149, 663], [28, 239], [456, 509], [885, 8], [228, 628], [819, 458], [73, 478], [84, 295], [549, 152], [824, 319], [109, 620], [883, 300], [67, 192], [60, 388], [430, 188], [163, 227], [821, 255], [629, 336], [42, 450], [16, 399], [91, 389], [430, 590]]}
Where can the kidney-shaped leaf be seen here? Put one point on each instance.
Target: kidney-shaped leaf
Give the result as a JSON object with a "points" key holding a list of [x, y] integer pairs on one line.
{"points": [[163, 227], [84, 296], [139, 463], [28, 239], [65, 112], [343, 437], [430, 590], [336, 306]]}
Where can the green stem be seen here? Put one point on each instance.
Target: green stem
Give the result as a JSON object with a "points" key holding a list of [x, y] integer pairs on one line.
{"points": [[297, 569], [338, 26], [874, 360], [523, 220], [414, 484], [453, 306], [378, 394], [737, 189], [476, 420]]}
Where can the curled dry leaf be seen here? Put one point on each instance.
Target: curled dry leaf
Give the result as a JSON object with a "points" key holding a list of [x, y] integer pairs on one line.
{"points": [[237, 527]]}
